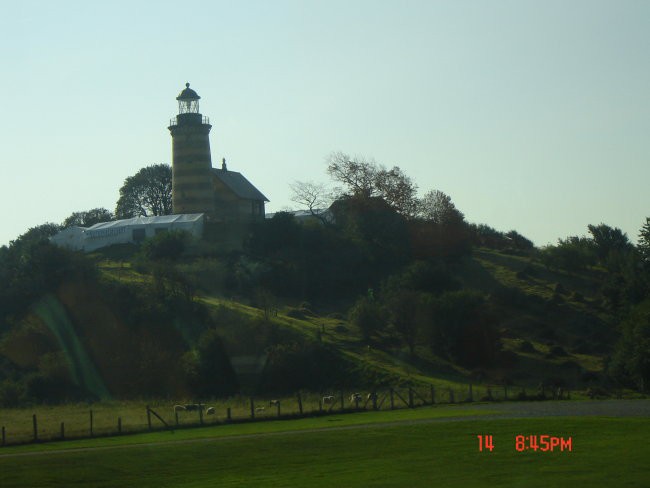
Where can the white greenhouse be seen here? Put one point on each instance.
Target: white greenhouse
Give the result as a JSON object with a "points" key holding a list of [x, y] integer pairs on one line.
{"points": [[126, 231]]}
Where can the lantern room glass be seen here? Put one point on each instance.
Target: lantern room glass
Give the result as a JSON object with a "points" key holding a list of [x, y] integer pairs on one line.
{"points": [[188, 106]]}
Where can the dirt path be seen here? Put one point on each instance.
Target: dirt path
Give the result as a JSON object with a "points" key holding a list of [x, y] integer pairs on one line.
{"points": [[514, 410]]}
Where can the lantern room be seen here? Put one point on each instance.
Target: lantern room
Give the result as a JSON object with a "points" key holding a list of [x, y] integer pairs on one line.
{"points": [[188, 101]]}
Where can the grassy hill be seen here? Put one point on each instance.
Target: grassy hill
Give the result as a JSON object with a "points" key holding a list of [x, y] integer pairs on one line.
{"points": [[553, 325], [202, 325]]}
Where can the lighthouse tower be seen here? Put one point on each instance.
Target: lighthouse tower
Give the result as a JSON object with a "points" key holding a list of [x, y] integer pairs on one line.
{"points": [[192, 190]]}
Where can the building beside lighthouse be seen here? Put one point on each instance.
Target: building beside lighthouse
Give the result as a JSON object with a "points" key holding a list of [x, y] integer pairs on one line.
{"points": [[224, 196]]}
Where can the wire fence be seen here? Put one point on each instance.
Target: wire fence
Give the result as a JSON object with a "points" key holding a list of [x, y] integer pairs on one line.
{"points": [[103, 421]]}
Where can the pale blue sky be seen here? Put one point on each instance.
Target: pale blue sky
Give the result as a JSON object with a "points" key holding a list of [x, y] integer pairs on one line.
{"points": [[531, 115]]}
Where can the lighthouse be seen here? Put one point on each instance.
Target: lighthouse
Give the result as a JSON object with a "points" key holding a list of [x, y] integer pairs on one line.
{"points": [[192, 189]]}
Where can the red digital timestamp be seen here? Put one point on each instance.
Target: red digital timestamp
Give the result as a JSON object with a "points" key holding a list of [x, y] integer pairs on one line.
{"points": [[534, 443]]}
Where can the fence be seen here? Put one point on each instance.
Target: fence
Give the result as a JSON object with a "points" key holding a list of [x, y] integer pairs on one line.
{"points": [[93, 423]]}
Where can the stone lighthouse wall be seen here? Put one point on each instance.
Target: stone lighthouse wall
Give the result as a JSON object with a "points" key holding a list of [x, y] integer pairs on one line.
{"points": [[191, 167]]}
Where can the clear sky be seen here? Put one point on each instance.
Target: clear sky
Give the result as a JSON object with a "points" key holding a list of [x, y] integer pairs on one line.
{"points": [[531, 115]]}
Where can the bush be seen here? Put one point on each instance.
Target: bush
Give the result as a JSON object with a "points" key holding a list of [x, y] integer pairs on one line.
{"points": [[462, 327], [577, 297], [296, 313], [556, 350], [526, 346], [11, 394], [368, 315], [208, 369], [294, 366], [166, 246]]}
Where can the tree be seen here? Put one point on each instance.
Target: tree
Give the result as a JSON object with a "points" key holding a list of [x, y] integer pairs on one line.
{"points": [[148, 192], [572, 254], [630, 363], [208, 368], [88, 218], [644, 241], [37, 234], [358, 174], [313, 196], [461, 326], [398, 190], [368, 315], [609, 241], [404, 308], [437, 207], [518, 241], [365, 179]]}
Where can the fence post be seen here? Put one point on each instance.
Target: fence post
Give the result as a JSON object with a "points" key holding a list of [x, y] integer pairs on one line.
{"points": [[433, 395], [91, 423], [252, 408], [62, 431], [228, 414], [451, 395], [4, 437], [278, 406], [471, 395], [320, 405], [410, 397], [374, 399], [119, 425], [200, 414], [148, 417], [392, 400], [300, 403], [35, 425], [356, 402], [176, 417], [342, 405]]}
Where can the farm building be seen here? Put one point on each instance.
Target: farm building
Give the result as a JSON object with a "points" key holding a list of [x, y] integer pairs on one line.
{"points": [[125, 231]]}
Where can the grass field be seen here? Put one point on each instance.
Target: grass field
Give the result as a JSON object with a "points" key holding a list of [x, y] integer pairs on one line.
{"points": [[76, 417], [367, 449]]}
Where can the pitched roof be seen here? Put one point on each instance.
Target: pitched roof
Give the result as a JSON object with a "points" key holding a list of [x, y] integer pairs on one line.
{"points": [[154, 219], [238, 184]]}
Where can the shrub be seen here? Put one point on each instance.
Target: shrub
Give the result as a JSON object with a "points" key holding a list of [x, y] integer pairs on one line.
{"points": [[557, 351], [294, 366], [526, 346], [577, 297], [11, 394], [208, 369], [368, 315], [296, 313], [165, 246]]}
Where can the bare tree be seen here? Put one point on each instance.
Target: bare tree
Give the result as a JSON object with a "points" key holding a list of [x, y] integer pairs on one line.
{"points": [[313, 196]]}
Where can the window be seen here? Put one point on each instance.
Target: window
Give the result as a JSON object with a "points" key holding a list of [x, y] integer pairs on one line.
{"points": [[138, 235], [257, 207]]}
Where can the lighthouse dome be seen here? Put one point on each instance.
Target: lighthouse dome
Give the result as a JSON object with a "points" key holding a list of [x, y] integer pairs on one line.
{"points": [[188, 94]]}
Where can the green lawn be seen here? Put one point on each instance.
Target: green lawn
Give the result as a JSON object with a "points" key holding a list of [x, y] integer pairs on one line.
{"points": [[606, 452]]}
